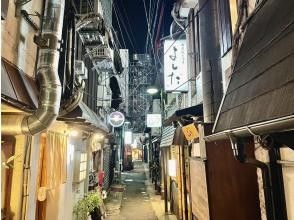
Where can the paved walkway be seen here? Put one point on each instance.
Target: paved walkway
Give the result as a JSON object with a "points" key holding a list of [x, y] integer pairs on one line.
{"points": [[139, 201]]}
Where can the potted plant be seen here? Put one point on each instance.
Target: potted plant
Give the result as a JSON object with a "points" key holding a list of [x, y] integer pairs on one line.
{"points": [[90, 204]]}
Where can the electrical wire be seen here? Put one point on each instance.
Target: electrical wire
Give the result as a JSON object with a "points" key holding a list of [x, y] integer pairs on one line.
{"points": [[116, 39], [129, 24], [126, 30], [120, 28], [148, 25], [149, 33], [185, 27], [155, 18]]}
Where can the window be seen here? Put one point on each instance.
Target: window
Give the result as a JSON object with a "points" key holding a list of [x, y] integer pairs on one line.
{"points": [[4, 9], [80, 170], [225, 27], [83, 166]]}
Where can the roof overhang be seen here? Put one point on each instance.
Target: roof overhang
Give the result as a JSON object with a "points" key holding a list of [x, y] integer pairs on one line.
{"points": [[259, 99], [17, 88], [187, 113], [172, 136], [84, 118]]}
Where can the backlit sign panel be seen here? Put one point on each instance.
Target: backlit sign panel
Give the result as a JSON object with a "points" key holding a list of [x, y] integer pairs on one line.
{"points": [[175, 66], [153, 120], [116, 119]]}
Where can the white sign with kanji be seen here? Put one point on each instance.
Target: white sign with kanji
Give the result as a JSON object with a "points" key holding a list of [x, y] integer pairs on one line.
{"points": [[175, 66]]}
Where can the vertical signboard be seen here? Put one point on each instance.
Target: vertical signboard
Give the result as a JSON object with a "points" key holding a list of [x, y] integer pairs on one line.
{"points": [[175, 66]]}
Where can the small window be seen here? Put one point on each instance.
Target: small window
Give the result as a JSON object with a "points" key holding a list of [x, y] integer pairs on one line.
{"points": [[4, 9], [83, 167], [80, 170]]}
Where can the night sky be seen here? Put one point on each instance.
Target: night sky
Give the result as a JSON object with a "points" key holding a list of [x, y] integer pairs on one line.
{"points": [[132, 14]]}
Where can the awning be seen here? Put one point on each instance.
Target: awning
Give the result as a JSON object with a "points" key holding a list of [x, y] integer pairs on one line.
{"points": [[87, 119], [261, 88], [196, 110], [17, 88], [167, 136], [172, 136]]}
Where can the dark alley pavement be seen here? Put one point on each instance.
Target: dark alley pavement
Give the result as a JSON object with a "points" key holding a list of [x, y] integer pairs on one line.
{"points": [[138, 201]]}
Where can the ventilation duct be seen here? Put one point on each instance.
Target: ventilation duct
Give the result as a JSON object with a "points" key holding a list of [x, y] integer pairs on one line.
{"points": [[47, 76]]}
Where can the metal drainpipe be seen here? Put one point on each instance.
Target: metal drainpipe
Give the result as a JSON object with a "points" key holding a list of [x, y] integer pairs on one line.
{"points": [[26, 171], [210, 58], [240, 155], [47, 75]]}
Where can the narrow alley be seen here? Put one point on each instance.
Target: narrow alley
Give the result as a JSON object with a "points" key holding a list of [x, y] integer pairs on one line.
{"points": [[147, 110], [139, 201]]}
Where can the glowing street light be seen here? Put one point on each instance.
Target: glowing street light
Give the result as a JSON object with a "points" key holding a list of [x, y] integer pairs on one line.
{"points": [[152, 90]]}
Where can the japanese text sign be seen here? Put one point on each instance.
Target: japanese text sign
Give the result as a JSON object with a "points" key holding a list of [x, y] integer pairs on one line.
{"points": [[175, 66], [190, 132]]}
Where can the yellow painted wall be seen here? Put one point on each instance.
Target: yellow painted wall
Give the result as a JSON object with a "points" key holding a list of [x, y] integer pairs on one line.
{"points": [[17, 36]]}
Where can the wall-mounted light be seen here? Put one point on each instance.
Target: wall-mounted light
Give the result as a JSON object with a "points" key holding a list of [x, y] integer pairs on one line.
{"points": [[73, 133], [98, 136]]}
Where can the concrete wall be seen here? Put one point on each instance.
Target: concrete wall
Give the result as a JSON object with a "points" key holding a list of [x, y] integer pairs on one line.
{"points": [[288, 177], [17, 36], [262, 155]]}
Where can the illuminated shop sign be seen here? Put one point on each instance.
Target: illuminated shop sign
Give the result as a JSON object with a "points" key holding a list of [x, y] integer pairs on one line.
{"points": [[175, 66], [116, 119], [153, 120], [128, 137]]}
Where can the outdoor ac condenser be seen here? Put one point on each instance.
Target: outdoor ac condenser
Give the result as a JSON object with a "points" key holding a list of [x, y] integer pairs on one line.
{"points": [[81, 70]]}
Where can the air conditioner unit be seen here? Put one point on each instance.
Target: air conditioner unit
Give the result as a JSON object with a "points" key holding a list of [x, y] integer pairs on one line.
{"points": [[102, 53], [80, 69], [104, 66]]}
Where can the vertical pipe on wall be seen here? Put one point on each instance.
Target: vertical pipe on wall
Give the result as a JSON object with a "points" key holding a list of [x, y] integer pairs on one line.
{"points": [[26, 176], [165, 179], [210, 58], [238, 148]]}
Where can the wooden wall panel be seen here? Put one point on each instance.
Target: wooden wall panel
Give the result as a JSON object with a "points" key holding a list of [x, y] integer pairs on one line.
{"points": [[232, 186], [199, 195]]}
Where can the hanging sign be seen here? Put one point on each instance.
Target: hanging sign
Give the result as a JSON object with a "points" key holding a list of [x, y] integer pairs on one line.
{"points": [[175, 66], [153, 120], [190, 132], [116, 119]]}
